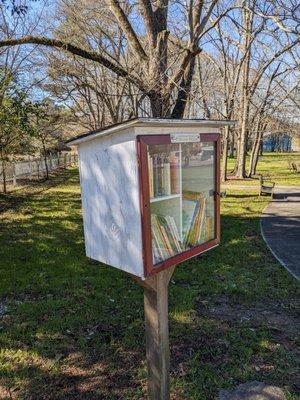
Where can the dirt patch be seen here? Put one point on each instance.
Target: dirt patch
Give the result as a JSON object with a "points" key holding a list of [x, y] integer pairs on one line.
{"points": [[253, 391], [282, 320]]}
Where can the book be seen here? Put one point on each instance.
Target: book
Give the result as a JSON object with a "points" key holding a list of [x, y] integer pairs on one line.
{"points": [[158, 238], [150, 173], [159, 170], [157, 252], [193, 219], [165, 237], [166, 179], [175, 232], [171, 235], [188, 211], [174, 173], [157, 176]]}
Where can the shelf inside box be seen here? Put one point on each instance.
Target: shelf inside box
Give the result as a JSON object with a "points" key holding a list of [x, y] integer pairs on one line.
{"points": [[162, 198]]}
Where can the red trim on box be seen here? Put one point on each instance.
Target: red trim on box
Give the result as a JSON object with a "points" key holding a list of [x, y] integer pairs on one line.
{"points": [[209, 137], [217, 189], [145, 206], [142, 142]]}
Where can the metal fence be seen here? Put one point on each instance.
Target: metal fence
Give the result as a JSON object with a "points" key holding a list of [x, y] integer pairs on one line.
{"points": [[36, 168]]}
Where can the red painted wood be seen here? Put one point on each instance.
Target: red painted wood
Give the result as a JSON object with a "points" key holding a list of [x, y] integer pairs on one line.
{"points": [[145, 206], [209, 137]]}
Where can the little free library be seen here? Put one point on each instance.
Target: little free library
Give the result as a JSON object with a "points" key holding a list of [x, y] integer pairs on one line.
{"points": [[150, 193]]}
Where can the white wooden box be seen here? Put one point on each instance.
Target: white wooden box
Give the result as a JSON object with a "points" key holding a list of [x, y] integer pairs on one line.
{"points": [[110, 177]]}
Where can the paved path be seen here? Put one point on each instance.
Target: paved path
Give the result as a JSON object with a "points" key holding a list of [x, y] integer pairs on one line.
{"points": [[257, 187], [280, 227]]}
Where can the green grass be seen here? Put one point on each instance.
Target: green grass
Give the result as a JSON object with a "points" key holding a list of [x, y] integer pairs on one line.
{"points": [[274, 165], [73, 329]]}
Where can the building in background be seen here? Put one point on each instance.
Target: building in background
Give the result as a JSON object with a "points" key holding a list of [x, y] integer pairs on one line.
{"points": [[283, 143]]}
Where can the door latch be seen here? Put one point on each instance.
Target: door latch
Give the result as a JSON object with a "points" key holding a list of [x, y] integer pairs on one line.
{"points": [[215, 193]]}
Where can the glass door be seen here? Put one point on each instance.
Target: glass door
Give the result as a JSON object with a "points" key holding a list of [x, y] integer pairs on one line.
{"points": [[164, 175], [181, 185]]}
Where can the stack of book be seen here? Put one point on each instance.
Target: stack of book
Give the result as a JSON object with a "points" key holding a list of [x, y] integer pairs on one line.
{"points": [[163, 174], [193, 219], [165, 237]]}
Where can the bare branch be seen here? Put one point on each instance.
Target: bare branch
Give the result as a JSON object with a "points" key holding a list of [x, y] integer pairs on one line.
{"points": [[87, 54], [147, 12], [127, 28], [178, 74]]}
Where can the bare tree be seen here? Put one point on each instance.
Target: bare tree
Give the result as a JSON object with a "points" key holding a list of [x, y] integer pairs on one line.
{"points": [[165, 80]]}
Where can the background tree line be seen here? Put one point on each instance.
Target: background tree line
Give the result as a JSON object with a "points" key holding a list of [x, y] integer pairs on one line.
{"points": [[109, 60]]}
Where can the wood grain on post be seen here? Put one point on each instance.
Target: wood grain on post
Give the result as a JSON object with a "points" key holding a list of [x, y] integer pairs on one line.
{"points": [[157, 333]]}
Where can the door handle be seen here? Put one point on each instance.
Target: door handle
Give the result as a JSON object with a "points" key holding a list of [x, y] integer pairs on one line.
{"points": [[215, 193]]}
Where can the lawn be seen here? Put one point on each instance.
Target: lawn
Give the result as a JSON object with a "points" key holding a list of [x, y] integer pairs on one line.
{"points": [[71, 328], [273, 165]]}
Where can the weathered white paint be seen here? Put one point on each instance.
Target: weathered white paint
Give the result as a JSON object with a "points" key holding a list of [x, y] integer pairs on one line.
{"points": [[110, 201], [109, 179]]}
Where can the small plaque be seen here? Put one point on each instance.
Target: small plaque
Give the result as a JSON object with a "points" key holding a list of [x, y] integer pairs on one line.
{"points": [[185, 137]]}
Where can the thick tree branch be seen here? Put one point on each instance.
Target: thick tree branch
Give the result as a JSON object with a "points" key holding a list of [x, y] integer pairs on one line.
{"points": [[201, 25], [70, 48], [178, 74], [127, 28], [161, 14], [148, 14], [184, 91]]}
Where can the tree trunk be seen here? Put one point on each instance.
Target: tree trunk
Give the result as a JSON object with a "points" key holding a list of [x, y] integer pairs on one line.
{"points": [[225, 154], [254, 156], [156, 103], [231, 146], [46, 166], [45, 160], [4, 176], [184, 91], [241, 156]]}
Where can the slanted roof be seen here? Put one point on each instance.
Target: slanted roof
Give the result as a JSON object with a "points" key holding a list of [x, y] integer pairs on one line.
{"points": [[158, 122]]}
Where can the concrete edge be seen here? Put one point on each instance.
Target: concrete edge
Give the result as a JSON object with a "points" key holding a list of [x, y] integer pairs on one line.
{"points": [[269, 246]]}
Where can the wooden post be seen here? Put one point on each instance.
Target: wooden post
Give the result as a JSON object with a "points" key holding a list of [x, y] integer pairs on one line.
{"points": [[157, 333]]}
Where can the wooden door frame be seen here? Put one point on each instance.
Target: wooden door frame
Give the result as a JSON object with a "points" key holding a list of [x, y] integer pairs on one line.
{"points": [[142, 142]]}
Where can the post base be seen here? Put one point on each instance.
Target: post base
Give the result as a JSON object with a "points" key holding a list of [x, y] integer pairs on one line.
{"points": [[157, 333]]}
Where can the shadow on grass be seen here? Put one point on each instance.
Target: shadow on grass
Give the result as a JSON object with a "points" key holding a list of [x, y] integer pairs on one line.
{"points": [[240, 196], [74, 328], [28, 189]]}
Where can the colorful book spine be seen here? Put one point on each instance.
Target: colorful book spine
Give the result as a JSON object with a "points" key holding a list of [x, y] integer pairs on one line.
{"points": [[166, 179], [150, 173], [174, 173], [157, 176], [174, 233], [165, 236], [157, 239], [160, 179], [196, 231]]}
